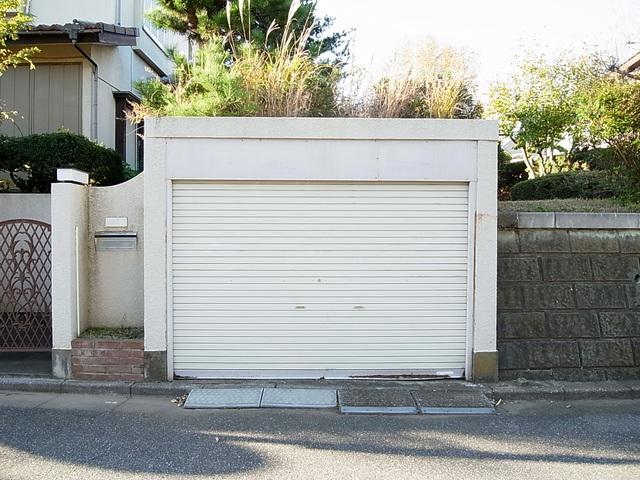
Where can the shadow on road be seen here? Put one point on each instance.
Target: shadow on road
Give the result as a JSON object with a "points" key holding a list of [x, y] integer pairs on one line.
{"points": [[226, 442]]}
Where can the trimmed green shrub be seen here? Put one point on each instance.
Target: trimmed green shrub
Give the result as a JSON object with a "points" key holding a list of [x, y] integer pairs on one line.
{"points": [[579, 184], [32, 161]]}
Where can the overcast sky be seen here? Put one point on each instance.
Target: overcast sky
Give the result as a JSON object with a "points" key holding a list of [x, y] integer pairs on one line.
{"points": [[494, 31]]}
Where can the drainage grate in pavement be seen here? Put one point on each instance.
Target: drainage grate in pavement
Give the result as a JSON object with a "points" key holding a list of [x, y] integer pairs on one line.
{"points": [[443, 402], [376, 401], [224, 398], [298, 398]]}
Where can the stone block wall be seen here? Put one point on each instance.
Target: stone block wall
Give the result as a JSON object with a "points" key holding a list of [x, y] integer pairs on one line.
{"points": [[569, 303]]}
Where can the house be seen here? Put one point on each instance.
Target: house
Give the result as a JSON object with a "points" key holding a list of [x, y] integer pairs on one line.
{"points": [[632, 64], [91, 54]]}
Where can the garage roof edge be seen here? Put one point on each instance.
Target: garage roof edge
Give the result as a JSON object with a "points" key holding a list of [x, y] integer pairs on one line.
{"points": [[321, 128]]}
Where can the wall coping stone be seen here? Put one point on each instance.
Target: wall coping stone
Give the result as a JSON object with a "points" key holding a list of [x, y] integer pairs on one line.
{"points": [[569, 220]]}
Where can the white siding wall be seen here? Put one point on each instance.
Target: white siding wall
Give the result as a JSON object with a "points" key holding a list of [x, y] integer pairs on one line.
{"points": [[46, 99]]}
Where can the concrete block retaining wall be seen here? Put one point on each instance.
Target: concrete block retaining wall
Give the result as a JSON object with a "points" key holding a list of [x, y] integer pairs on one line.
{"points": [[569, 296]]}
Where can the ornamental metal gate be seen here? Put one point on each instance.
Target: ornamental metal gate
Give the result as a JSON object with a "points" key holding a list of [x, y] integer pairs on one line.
{"points": [[25, 286]]}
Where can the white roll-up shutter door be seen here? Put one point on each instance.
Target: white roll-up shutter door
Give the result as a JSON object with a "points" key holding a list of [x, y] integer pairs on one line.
{"points": [[319, 279]]}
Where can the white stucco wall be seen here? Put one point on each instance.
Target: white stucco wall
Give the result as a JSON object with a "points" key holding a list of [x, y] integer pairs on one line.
{"points": [[31, 206], [90, 287], [69, 262], [64, 11], [116, 276]]}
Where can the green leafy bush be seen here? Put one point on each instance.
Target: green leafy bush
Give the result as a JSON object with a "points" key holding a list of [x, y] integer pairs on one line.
{"points": [[565, 185], [32, 161]]}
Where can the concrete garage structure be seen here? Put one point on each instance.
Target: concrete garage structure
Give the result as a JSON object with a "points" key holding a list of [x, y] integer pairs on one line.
{"points": [[308, 248]]}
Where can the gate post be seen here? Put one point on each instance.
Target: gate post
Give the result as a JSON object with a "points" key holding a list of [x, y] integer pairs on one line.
{"points": [[69, 270]]}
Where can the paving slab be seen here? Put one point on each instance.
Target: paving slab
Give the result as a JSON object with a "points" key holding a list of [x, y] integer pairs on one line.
{"points": [[377, 401], [458, 402], [298, 398], [224, 398]]}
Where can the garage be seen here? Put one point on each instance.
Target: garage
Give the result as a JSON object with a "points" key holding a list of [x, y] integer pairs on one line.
{"points": [[319, 279], [320, 248]]}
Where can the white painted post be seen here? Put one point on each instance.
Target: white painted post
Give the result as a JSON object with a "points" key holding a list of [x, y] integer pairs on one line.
{"points": [[485, 356], [155, 251], [69, 270]]}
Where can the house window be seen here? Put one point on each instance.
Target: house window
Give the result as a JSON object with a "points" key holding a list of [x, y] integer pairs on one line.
{"points": [[128, 140]]}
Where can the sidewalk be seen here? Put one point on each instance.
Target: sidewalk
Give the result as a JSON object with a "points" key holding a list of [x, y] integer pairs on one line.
{"points": [[355, 389]]}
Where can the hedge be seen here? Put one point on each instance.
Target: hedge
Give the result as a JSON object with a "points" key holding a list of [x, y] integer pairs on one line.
{"points": [[32, 160], [582, 184]]}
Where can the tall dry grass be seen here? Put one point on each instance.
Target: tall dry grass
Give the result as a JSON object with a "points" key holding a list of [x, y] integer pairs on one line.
{"points": [[282, 81], [427, 81]]}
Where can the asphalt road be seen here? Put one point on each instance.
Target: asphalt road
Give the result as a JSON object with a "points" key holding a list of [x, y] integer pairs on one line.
{"points": [[108, 437]]}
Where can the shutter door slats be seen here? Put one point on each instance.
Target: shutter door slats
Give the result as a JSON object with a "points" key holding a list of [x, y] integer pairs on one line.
{"points": [[319, 277]]}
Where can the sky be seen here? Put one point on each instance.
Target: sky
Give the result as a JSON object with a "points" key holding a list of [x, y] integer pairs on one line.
{"points": [[494, 32]]}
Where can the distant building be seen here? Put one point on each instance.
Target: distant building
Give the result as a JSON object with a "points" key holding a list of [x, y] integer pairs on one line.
{"points": [[632, 64]]}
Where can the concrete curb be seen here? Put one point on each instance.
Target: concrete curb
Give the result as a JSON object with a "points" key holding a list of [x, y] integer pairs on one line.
{"points": [[554, 390]]}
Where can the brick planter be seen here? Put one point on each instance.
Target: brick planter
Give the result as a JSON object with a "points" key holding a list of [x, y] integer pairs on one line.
{"points": [[102, 359]]}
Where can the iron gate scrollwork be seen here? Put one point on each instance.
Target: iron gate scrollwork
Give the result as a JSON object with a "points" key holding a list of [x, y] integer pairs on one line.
{"points": [[25, 286]]}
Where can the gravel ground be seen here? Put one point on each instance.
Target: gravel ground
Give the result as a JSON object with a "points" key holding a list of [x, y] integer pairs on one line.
{"points": [[68, 436]]}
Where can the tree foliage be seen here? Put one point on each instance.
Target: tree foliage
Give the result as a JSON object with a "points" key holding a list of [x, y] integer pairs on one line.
{"points": [[12, 22], [610, 114], [249, 20], [538, 109]]}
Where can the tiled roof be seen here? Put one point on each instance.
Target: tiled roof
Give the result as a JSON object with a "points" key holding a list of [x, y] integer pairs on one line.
{"points": [[86, 27], [80, 32]]}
